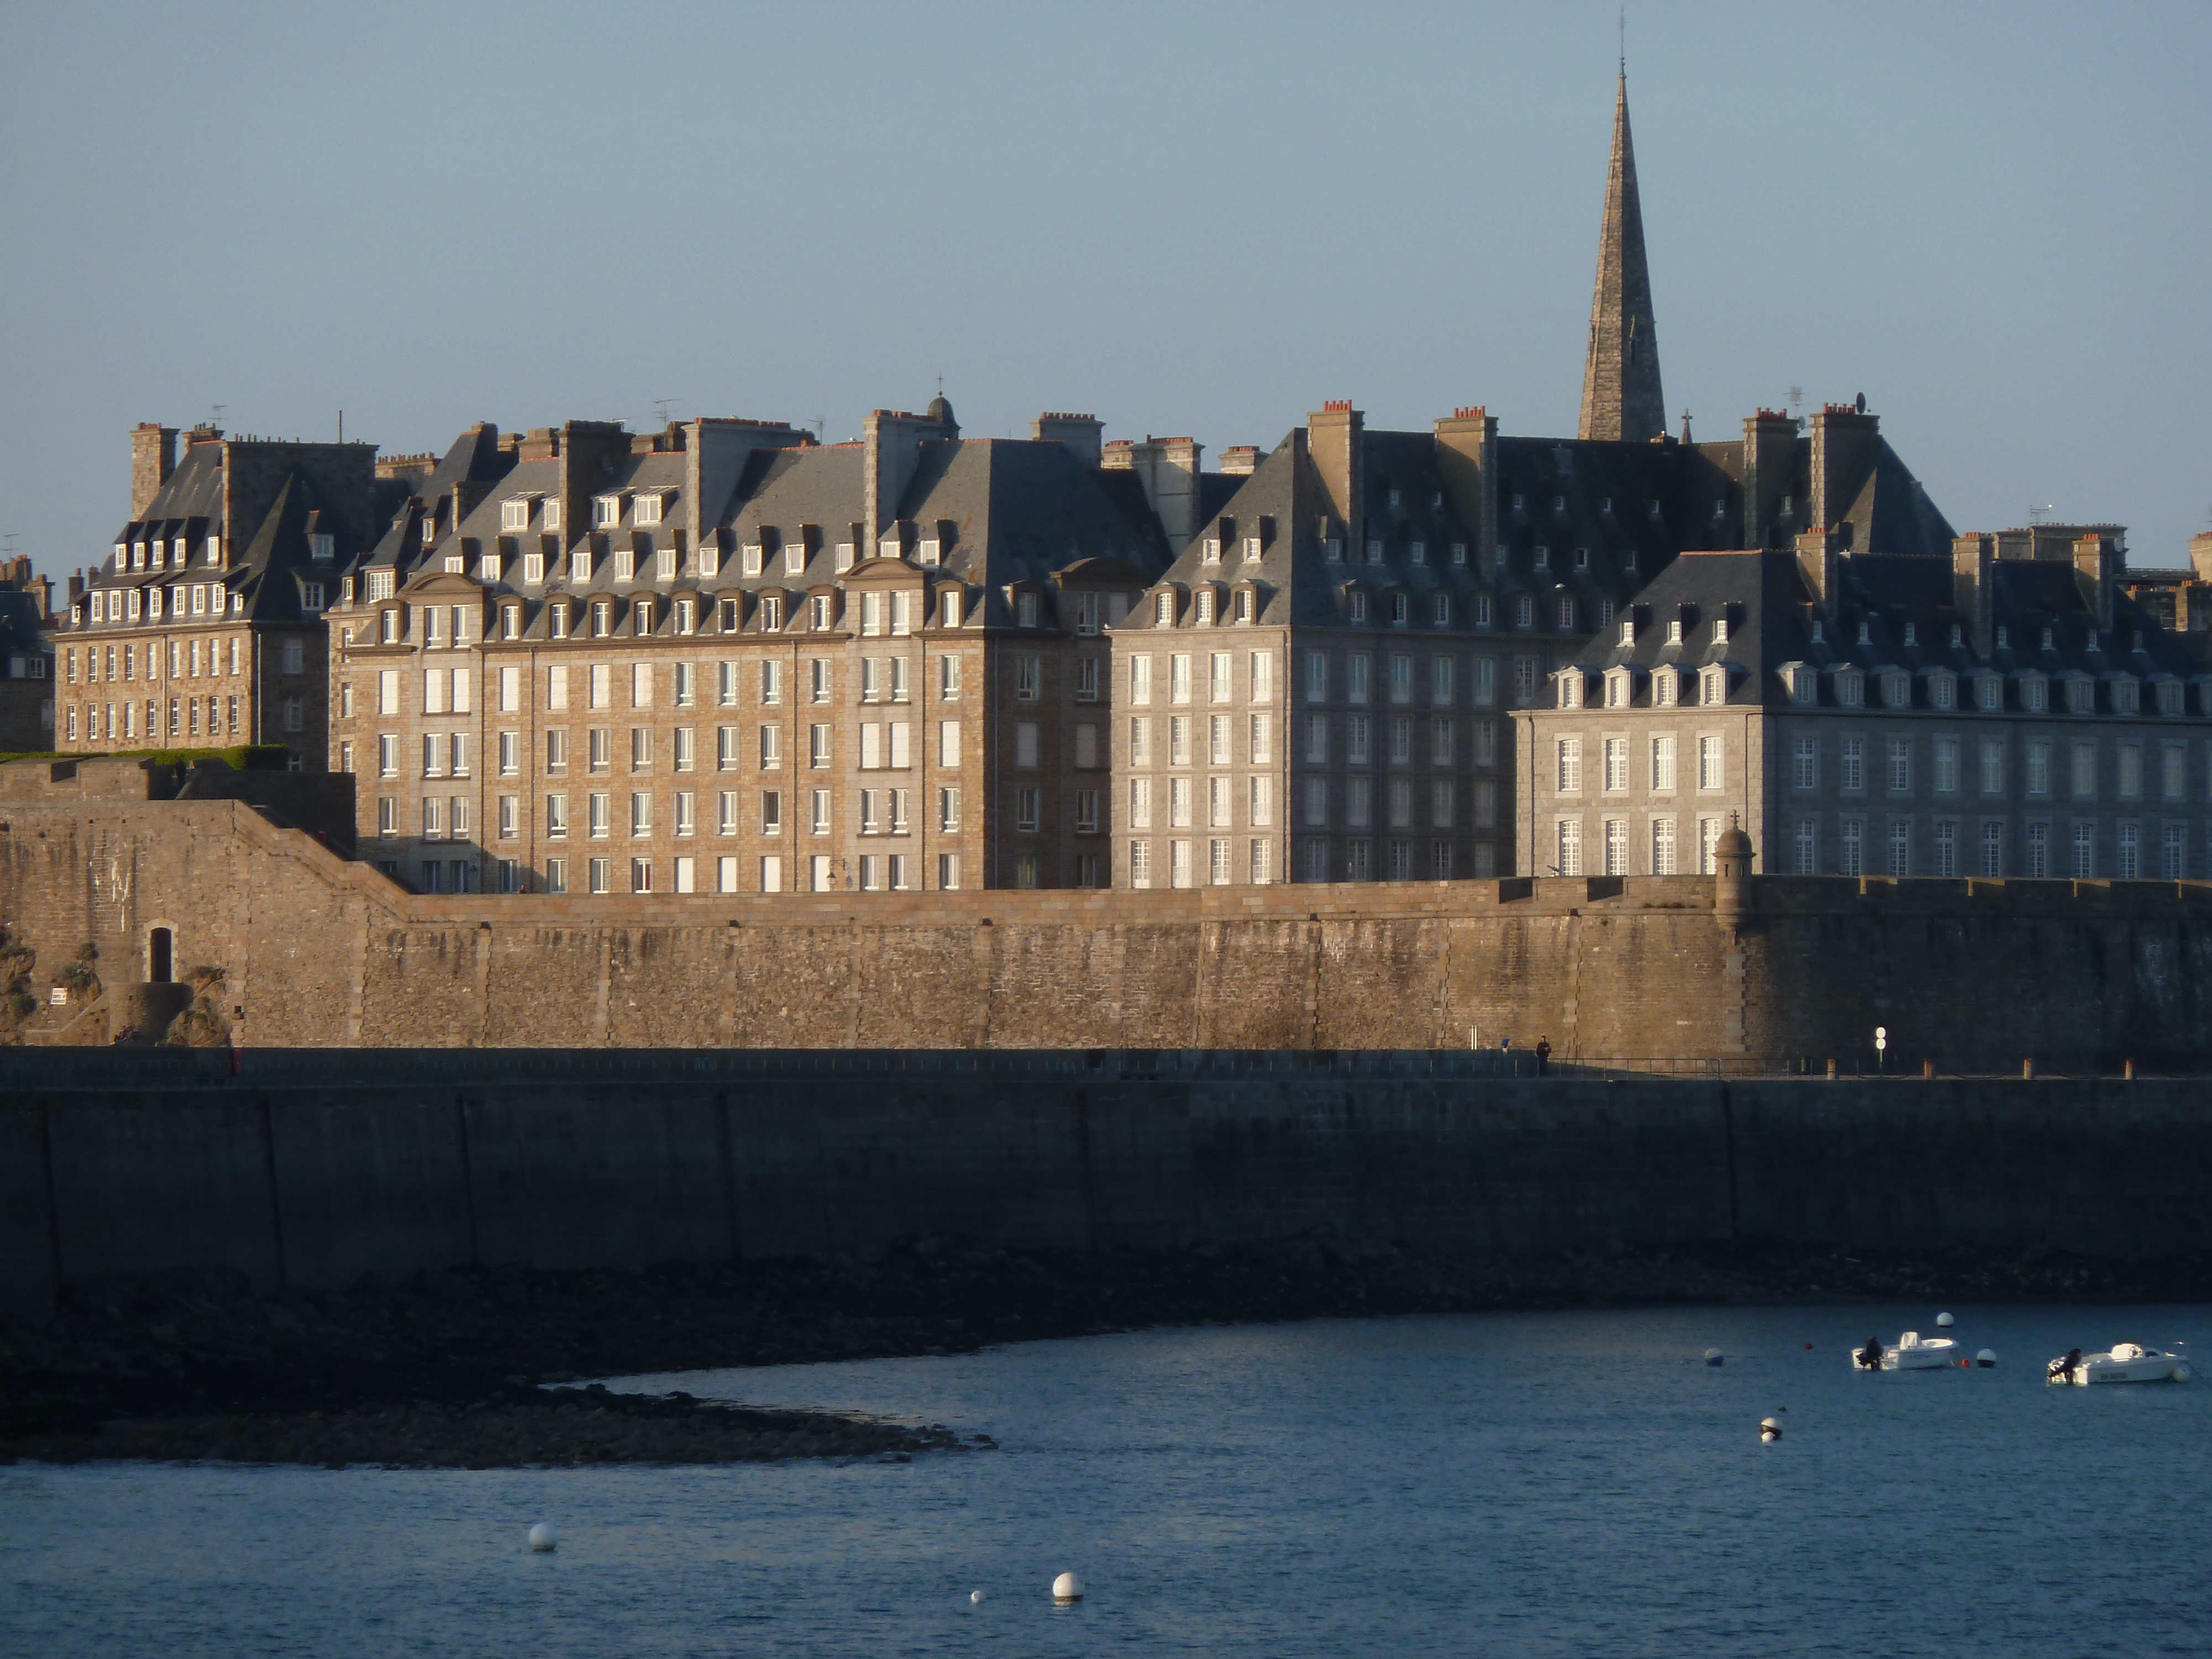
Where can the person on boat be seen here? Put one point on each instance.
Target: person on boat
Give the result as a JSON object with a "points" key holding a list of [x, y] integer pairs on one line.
{"points": [[2065, 1367], [1870, 1356], [1543, 1055]]}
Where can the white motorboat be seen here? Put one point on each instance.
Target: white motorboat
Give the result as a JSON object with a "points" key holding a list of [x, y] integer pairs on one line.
{"points": [[2128, 1362], [1913, 1353]]}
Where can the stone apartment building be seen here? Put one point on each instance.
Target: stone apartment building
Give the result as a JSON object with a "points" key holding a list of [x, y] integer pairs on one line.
{"points": [[2008, 712], [726, 658], [26, 660], [204, 628]]}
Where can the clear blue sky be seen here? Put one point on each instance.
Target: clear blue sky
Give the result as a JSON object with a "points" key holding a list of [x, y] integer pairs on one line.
{"points": [[1994, 221]]}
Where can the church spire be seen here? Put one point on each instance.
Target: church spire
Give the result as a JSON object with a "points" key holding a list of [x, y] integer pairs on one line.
{"points": [[1621, 398]]}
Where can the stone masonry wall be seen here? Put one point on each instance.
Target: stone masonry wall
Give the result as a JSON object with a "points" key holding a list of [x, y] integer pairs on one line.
{"points": [[320, 952]]}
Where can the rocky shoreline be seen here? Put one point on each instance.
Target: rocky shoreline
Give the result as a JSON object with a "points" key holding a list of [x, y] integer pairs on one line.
{"points": [[446, 1370]]}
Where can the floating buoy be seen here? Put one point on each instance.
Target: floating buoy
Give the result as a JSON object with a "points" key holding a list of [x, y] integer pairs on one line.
{"points": [[1769, 1430], [1986, 1357], [1809, 1347], [1945, 1320], [974, 1595], [1067, 1587], [1712, 1356], [543, 1539]]}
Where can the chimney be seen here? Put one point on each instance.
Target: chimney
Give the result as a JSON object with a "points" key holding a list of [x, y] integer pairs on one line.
{"points": [[586, 452], [1240, 461], [892, 439], [153, 458], [1820, 556], [1972, 559], [714, 456], [1084, 435], [76, 586], [2200, 555], [2098, 559], [1770, 450], [1334, 434], [1466, 461], [1168, 469], [1844, 440]]}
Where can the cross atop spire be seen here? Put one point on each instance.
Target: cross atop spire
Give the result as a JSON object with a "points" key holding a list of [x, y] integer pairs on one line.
{"points": [[1621, 397]]}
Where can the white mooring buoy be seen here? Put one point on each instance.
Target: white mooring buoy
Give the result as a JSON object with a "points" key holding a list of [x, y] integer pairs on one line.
{"points": [[1945, 1321], [974, 1595], [1986, 1357], [1712, 1356], [544, 1538], [1067, 1587], [1770, 1430]]}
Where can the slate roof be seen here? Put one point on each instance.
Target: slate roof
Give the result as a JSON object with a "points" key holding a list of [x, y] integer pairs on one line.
{"points": [[1889, 611]]}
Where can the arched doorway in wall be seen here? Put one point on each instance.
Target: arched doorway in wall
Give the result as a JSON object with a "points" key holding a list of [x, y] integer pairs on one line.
{"points": [[160, 956]]}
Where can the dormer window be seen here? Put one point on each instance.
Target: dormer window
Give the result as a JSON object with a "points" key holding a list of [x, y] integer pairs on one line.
{"points": [[1674, 630], [1803, 683], [1958, 636], [457, 564], [1912, 634], [601, 619], [215, 550], [1850, 688], [1543, 557], [561, 620], [1570, 688], [510, 621], [648, 508], [1395, 498], [2033, 695], [1519, 504], [1355, 606], [1628, 560], [533, 567], [2048, 639], [1374, 550], [553, 514], [1026, 610], [1252, 548], [1866, 632], [1582, 558], [429, 529], [794, 555], [321, 548], [1566, 615], [1164, 610], [514, 513], [1209, 551], [1558, 507], [2004, 642], [625, 565], [1651, 509], [771, 612], [1440, 616], [1243, 604], [488, 567], [641, 617], [1989, 693], [606, 511], [1721, 629], [949, 612], [2169, 697], [1941, 691], [1714, 686], [1665, 687], [1459, 553], [1616, 689], [1819, 635], [388, 632], [1401, 610], [380, 584], [1896, 691], [1628, 630], [1204, 601]]}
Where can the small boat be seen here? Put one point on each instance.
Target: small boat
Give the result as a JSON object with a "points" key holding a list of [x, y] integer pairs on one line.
{"points": [[1913, 1354], [2128, 1362]]}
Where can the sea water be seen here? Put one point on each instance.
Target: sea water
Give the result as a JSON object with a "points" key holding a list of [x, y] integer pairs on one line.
{"points": [[1566, 1483]]}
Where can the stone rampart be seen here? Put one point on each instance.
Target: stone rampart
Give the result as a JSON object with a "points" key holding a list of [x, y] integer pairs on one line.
{"points": [[373, 1167], [321, 951]]}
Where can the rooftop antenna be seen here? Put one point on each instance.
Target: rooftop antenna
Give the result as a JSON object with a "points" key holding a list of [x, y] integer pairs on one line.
{"points": [[2040, 514], [820, 425], [662, 405], [1623, 42], [1796, 398], [216, 418]]}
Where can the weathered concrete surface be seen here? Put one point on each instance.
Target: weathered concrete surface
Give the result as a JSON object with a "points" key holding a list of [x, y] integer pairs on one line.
{"points": [[304, 1183]]}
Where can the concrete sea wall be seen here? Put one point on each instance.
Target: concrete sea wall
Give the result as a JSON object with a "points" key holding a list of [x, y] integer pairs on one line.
{"points": [[376, 1166]]}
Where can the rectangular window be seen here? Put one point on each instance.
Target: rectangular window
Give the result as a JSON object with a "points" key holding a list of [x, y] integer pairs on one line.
{"points": [[1440, 681], [2039, 851], [2173, 771], [1026, 744], [948, 809], [1616, 770], [1805, 765], [1140, 680], [1141, 803], [1401, 679], [1900, 766], [1807, 851], [1317, 677], [1179, 678], [1569, 769], [1316, 803], [817, 821], [1992, 766], [2085, 852], [1356, 668], [1217, 744], [1219, 811], [557, 688], [1027, 808], [2130, 852], [1947, 767], [641, 748], [1900, 846], [1568, 858], [2038, 769], [1141, 864], [2085, 771], [1993, 849], [817, 747], [1179, 803], [601, 808], [1853, 753], [1260, 801], [1219, 679], [1086, 747], [557, 817], [1853, 849], [1616, 847], [1263, 676], [2171, 864], [2132, 771], [1709, 763], [771, 812], [685, 816], [771, 873], [1947, 848], [1662, 765], [1086, 812]]}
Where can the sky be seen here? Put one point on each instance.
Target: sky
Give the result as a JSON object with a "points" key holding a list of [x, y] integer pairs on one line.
{"points": [[1993, 221]]}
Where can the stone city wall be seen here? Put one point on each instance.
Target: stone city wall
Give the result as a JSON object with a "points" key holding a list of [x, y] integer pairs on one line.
{"points": [[322, 952], [347, 1164]]}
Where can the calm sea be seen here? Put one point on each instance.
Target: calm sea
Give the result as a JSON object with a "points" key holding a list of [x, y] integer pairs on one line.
{"points": [[1575, 1484]]}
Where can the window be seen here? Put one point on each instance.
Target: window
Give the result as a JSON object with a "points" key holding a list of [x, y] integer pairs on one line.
{"points": [[1570, 765], [2085, 852], [1616, 772], [771, 812], [2039, 851], [1900, 846], [817, 821], [1662, 765], [1947, 848], [1616, 847], [1026, 744], [1709, 839], [1568, 860], [1356, 740], [2130, 772], [1992, 766], [2084, 778], [1709, 763], [1806, 848], [1179, 678], [1992, 848], [2173, 771], [1355, 678], [1441, 732], [1029, 676], [2130, 852], [1805, 763], [2171, 859], [2038, 769]]}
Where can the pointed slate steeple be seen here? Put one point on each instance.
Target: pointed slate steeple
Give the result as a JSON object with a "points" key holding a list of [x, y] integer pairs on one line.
{"points": [[1621, 399]]}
